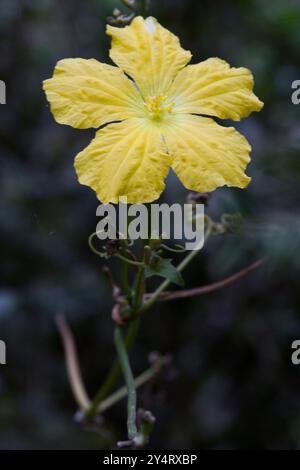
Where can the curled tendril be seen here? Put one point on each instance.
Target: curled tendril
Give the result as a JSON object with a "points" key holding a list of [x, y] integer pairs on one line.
{"points": [[106, 255], [127, 260], [102, 254], [178, 249]]}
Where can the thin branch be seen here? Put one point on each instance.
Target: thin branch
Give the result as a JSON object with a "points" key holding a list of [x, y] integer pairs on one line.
{"points": [[72, 364], [129, 380], [139, 381], [211, 287], [114, 373]]}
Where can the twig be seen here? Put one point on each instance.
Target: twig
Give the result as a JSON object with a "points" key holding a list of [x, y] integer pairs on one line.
{"points": [[211, 287], [72, 364]]}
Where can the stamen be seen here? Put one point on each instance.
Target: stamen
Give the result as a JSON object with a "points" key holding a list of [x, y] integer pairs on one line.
{"points": [[157, 107]]}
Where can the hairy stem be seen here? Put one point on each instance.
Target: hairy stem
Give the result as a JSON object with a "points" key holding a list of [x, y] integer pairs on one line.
{"points": [[129, 380], [114, 372]]}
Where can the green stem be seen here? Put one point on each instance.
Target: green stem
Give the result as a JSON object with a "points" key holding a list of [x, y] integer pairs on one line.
{"points": [[124, 275], [114, 372], [133, 328], [139, 289], [139, 284], [129, 380], [139, 381], [180, 268]]}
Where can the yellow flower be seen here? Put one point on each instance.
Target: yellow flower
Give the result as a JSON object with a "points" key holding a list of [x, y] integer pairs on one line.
{"points": [[154, 107]]}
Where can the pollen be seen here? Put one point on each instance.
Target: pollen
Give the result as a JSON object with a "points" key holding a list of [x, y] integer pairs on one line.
{"points": [[157, 106]]}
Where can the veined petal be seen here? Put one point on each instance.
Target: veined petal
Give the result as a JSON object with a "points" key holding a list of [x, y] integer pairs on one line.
{"points": [[214, 88], [149, 53], [125, 159], [85, 93], [206, 155]]}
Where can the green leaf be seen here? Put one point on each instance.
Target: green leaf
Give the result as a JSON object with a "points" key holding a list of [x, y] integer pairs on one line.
{"points": [[164, 268]]}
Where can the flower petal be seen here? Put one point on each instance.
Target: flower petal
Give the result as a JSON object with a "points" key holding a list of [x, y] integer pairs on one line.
{"points": [[85, 93], [206, 155], [149, 53], [125, 159], [214, 88]]}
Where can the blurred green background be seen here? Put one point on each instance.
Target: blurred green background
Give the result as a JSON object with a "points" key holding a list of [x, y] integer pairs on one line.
{"points": [[232, 384]]}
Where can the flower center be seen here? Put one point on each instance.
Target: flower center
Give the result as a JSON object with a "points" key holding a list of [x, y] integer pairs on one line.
{"points": [[157, 106]]}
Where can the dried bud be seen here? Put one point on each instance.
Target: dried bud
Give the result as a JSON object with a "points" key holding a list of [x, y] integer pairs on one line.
{"points": [[121, 20], [200, 198], [111, 247]]}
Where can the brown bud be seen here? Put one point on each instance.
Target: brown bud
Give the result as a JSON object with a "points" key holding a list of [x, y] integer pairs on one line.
{"points": [[111, 247], [200, 198]]}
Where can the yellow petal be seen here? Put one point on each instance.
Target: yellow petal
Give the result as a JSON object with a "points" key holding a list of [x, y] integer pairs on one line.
{"points": [[125, 159], [214, 88], [149, 53], [86, 93], [206, 155]]}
